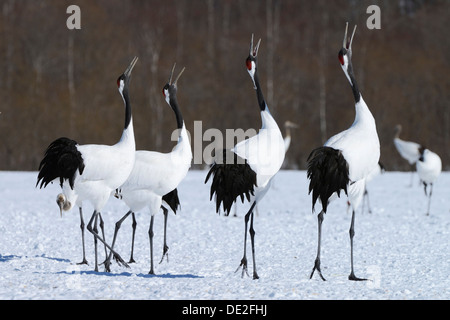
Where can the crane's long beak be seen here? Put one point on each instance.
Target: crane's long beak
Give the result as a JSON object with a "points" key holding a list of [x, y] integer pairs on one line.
{"points": [[351, 39], [178, 77], [346, 43], [171, 74], [130, 67], [254, 50]]}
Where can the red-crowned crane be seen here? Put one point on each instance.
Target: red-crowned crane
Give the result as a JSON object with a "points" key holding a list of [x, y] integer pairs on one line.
{"points": [[346, 159], [410, 151], [92, 172], [429, 167], [155, 174], [247, 169]]}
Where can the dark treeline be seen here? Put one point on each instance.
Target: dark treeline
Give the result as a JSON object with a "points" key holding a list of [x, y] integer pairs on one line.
{"points": [[59, 82]]}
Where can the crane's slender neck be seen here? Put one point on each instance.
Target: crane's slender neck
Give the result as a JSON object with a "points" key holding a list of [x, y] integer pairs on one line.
{"points": [[126, 99], [259, 94], [174, 104], [353, 83], [128, 131]]}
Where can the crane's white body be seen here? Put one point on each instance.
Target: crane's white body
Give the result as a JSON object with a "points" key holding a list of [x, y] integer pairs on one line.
{"points": [[360, 147], [106, 169], [408, 150], [155, 174], [264, 153]]}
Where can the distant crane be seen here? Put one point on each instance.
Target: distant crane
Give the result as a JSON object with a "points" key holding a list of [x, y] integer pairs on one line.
{"points": [[92, 172], [247, 169], [288, 125], [156, 174], [408, 150], [346, 159], [429, 167]]}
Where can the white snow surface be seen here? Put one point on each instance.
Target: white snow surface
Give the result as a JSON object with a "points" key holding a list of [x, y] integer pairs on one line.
{"points": [[403, 252]]}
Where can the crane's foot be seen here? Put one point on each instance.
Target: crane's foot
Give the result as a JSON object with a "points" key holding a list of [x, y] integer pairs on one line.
{"points": [[355, 278], [165, 253], [131, 260], [83, 262], [317, 267], [244, 267], [119, 261]]}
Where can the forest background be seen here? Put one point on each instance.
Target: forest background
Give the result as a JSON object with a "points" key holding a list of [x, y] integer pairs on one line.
{"points": [[55, 81]]}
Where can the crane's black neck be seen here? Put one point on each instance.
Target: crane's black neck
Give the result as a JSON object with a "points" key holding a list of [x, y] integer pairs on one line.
{"points": [[353, 83], [174, 104], [126, 98], [259, 94]]}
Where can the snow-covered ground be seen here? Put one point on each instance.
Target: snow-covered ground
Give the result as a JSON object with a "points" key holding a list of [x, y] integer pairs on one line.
{"points": [[405, 253]]}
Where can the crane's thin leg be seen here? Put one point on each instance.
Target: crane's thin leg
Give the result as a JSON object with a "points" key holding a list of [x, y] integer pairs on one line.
{"points": [[116, 231], [97, 237], [252, 237], [317, 261], [366, 195], [352, 234], [150, 235], [244, 258], [134, 224], [429, 198], [102, 226], [165, 247], [95, 243], [84, 261]]}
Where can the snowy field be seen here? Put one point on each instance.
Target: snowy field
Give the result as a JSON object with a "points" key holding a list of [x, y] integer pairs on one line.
{"points": [[405, 253]]}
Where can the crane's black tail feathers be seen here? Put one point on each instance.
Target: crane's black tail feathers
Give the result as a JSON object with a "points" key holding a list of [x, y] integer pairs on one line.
{"points": [[172, 200], [232, 177], [328, 173], [61, 160]]}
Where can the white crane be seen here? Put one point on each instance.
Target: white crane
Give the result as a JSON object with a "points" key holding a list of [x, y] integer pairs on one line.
{"points": [[92, 172], [247, 169], [346, 159], [429, 167], [155, 174], [408, 150]]}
